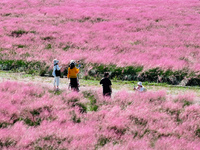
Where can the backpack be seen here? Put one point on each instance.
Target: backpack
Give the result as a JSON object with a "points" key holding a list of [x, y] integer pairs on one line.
{"points": [[57, 72]]}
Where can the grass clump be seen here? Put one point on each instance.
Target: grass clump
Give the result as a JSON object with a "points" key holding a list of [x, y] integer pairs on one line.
{"points": [[66, 47], [18, 33], [48, 46], [47, 38], [92, 104]]}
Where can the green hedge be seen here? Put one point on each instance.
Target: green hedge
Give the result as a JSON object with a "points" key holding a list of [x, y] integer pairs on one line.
{"points": [[128, 73], [152, 75], [33, 67], [120, 73], [161, 76]]}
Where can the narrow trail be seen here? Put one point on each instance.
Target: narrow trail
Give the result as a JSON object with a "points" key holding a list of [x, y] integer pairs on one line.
{"points": [[48, 81], [64, 82]]}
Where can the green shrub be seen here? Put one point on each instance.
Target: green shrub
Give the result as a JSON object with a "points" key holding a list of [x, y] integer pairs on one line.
{"points": [[132, 70], [44, 71], [118, 73], [4, 124], [94, 108], [33, 32], [82, 107], [9, 142], [194, 82], [20, 46], [150, 75], [66, 47], [91, 106], [48, 46], [7, 14], [18, 33], [47, 38], [187, 103], [103, 141], [76, 119], [29, 122], [84, 19], [35, 112], [33, 67], [197, 132], [25, 55]]}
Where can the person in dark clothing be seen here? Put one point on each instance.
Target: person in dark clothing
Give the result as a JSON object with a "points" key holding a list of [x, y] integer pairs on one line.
{"points": [[106, 83]]}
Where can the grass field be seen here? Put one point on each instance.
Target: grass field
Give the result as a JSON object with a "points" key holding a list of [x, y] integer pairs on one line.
{"points": [[34, 116], [153, 41]]}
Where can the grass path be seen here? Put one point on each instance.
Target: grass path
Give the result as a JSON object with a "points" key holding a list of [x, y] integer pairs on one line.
{"points": [[94, 84]]}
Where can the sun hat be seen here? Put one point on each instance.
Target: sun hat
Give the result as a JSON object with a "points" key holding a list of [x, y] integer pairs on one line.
{"points": [[72, 61], [55, 61], [140, 83]]}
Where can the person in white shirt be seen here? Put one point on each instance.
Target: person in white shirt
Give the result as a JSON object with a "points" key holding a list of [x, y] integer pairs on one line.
{"points": [[140, 87], [56, 74]]}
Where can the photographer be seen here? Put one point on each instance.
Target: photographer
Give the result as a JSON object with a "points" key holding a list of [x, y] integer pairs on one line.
{"points": [[72, 75]]}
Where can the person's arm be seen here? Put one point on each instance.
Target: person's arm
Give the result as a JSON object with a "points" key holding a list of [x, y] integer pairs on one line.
{"points": [[58, 68], [137, 88], [68, 72], [143, 89], [53, 73], [79, 66], [77, 70], [101, 82], [110, 88]]}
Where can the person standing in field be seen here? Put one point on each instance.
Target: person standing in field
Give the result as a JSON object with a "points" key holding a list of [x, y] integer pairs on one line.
{"points": [[140, 87], [56, 74], [106, 84], [72, 75]]}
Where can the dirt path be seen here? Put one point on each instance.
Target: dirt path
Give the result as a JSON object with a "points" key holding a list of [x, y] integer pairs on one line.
{"points": [[46, 81], [94, 85]]}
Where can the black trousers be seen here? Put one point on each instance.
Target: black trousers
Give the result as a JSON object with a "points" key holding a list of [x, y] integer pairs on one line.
{"points": [[74, 84]]}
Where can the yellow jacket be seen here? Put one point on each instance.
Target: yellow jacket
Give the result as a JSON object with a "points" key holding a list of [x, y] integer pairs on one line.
{"points": [[72, 73]]}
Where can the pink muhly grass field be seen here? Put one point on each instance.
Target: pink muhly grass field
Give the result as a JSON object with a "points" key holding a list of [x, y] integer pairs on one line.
{"points": [[151, 33], [34, 117]]}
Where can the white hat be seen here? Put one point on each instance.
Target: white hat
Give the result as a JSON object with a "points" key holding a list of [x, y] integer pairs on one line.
{"points": [[140, 83], [55, 61], [72, 61]]}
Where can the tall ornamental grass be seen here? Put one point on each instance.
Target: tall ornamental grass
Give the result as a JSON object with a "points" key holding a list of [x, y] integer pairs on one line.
{"points": [[151, 33], [34, 117]]}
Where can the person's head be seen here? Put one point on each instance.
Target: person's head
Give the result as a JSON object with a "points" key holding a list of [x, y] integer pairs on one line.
{"points": [[55, 61], [140, 84], [72, 65], [106, 75]]}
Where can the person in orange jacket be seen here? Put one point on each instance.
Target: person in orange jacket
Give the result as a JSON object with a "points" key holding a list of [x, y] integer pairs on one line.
{"points": [[72, 75]]}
